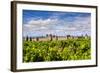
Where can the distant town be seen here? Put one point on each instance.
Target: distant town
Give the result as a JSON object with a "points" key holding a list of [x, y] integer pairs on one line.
{"points": [[50, 37]]}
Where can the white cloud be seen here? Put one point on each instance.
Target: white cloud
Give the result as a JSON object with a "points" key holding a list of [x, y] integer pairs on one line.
{"points": [[40, 24], [55, 25]]}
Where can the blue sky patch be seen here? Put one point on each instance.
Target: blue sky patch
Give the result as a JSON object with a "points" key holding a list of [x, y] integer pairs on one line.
{"points": [[40, 23]]}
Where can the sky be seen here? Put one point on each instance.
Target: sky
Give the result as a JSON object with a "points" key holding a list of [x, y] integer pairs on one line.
{"points": [[40, 23]]}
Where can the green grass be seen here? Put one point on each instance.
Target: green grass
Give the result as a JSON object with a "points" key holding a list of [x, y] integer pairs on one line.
{"points": [[58, 50]]}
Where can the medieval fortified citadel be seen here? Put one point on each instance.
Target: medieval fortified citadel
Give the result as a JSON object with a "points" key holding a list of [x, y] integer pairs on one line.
{"points": [[50, 37]]}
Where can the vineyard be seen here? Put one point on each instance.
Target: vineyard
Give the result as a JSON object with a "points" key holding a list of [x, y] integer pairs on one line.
{"points": [[57, 50]]}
